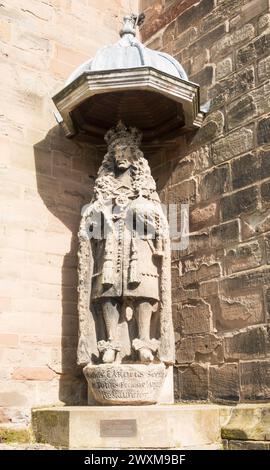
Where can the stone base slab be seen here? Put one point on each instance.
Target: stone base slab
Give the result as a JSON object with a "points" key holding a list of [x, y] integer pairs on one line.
{"points": [[124, 427]]}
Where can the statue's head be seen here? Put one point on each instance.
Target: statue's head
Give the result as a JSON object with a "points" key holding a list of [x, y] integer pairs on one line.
{"points": [[123, 155], [123, 143]]}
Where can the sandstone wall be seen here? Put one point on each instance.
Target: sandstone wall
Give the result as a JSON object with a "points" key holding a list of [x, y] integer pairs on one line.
{"points": [[221, 293], [45, 180]]}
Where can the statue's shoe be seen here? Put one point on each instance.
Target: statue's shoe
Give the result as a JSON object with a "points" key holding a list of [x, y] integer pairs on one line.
{"points": [[109, 356], [145, 355]]}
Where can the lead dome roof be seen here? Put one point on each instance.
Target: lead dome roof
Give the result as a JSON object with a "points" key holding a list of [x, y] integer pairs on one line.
{"points": [[129, 53]]}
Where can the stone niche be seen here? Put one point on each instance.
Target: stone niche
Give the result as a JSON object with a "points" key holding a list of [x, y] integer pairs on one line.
{"points": [[127, 96]]}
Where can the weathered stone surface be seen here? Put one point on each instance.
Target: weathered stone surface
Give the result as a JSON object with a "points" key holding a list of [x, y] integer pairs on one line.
{"points": [[3, 417], [243, 257], [233, 144], [267, 248], [256, 223], [201, 158], [254, 50], [264, 69], [184, 39], [213, 19], [214, 183], [201, 61], [209, 288], [193, 14], [265, 163], [198, 242], [225, 234], [182, 170], [229, 88], [206, 42], [245, 170], [265, 193], [259, 277], [158, 16], [247, 344], [197, 273], [183, 192], [204, 216], [267, 302], [184, 351], [9, 340], [226, 42], [193, 382], [125, 383], [239, 202], [203, 348], [239, 310], [224, 67], [247, 445], [209, 348], [169, 33], [264, 22], [248, 423], [196, 319], [33, 373], [205, 77], [261, 98], [224, 382], [241, 110], [255, 380], [263, 131], [212, 127]]}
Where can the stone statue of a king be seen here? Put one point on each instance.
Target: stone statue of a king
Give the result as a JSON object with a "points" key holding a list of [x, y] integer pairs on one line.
{"points": [[124, 270]]}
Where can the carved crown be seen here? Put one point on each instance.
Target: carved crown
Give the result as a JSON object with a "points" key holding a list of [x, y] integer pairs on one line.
{"points": [[122, 133]]}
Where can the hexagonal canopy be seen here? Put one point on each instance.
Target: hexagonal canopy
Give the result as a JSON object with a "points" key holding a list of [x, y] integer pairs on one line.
{"points": [[159, 104]]}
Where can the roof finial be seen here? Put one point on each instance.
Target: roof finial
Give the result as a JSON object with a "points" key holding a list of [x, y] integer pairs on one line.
{"points": [[130, 23]]}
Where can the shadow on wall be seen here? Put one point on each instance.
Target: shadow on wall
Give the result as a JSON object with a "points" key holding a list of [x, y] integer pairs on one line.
{"points": [[65, 172]]}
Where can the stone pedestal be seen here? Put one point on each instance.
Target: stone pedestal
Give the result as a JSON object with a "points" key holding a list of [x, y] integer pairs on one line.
{"points": [[124, 427]]}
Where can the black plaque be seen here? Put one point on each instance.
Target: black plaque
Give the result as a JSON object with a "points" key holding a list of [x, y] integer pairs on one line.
{"points": [[118, 427]]}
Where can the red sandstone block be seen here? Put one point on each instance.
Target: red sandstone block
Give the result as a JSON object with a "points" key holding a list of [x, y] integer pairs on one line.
{"points": [[45, 341], [69, 56], [33, 373], [37, 11], [60, 69], [8, 340], [5, 31], [204, 216], [5, 303]]}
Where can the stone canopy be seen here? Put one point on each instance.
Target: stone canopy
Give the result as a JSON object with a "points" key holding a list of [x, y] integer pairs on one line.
{"points": [[147, 89]]}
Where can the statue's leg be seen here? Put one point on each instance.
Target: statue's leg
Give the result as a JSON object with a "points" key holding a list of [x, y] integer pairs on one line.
{"points": [[144, 314], [111, 319]]}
